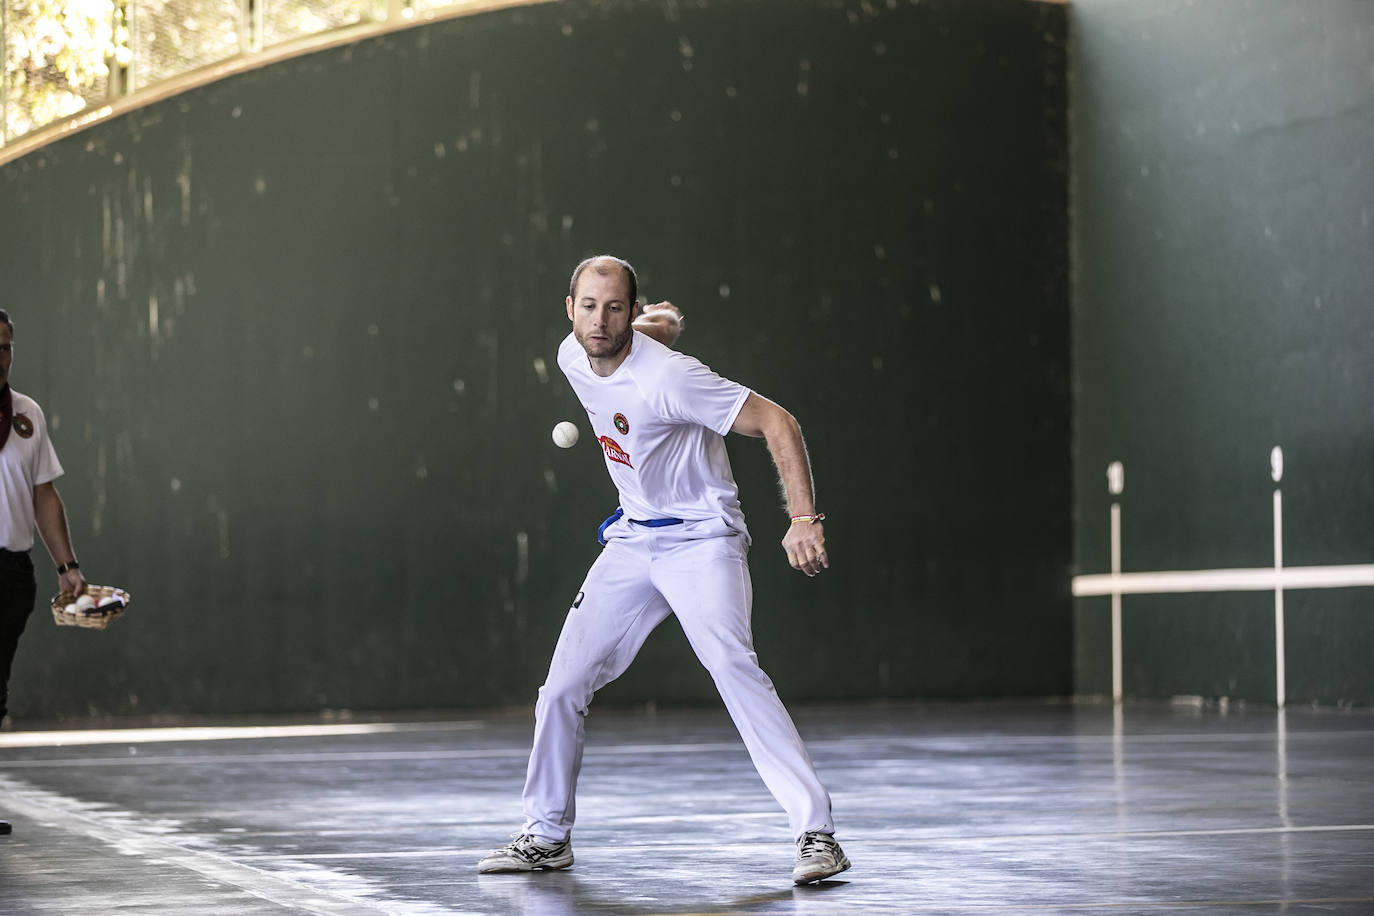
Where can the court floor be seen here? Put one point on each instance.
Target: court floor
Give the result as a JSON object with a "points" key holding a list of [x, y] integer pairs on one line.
{"points": [[944, 808]]}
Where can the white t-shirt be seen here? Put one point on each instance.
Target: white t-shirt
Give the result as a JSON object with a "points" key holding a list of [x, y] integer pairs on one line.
{"points": [[660, 418], [25, 462]]}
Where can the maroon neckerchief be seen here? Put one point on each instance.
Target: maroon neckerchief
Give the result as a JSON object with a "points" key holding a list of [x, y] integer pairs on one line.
{"points": [[6, 415]]}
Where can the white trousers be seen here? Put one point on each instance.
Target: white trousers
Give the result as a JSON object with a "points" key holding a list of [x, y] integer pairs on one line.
{"points": [[700, 572]]}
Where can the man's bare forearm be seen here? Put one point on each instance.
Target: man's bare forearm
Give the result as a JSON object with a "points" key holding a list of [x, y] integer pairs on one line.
{"points": [[50, 517], [783, 435], [804, 542]]}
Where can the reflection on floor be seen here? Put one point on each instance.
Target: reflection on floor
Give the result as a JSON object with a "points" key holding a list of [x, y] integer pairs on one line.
{"points": [[943, 809]]}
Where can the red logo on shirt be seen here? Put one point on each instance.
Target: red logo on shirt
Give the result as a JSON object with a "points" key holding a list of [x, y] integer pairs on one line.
{"points": [[23, 426], [614, 452]]}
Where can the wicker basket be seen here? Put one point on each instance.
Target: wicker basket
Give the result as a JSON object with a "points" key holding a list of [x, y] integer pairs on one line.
{"points": [[110, 602]]}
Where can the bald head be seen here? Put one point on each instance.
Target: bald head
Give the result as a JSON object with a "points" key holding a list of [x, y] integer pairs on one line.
{"points": [[606, 265]]}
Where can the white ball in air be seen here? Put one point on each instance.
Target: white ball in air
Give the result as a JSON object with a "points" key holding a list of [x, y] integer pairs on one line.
{"points": [[565, 434]]}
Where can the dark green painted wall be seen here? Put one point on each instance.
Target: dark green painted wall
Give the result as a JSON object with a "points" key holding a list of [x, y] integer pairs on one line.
{"points": [[296, 333], [1223, 187]]}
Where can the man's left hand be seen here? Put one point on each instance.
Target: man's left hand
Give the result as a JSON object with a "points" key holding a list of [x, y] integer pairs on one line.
{"points": [[805, 546]]}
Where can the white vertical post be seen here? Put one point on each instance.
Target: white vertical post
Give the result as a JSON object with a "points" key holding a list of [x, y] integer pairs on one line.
{"points": [[1116, 483], [1280, 673], [1116, 603], [1119, 758], [1282, 738]]}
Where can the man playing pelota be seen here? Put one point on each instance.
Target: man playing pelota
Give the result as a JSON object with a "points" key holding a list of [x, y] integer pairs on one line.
{"points": [[677, 545]]}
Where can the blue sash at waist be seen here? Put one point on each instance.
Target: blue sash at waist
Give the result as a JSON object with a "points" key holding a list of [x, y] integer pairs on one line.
{"points": [[646, 522]]}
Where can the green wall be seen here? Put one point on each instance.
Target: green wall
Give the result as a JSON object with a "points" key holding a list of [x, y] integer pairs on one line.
{"points": [[1223, 192], [295, 331]]}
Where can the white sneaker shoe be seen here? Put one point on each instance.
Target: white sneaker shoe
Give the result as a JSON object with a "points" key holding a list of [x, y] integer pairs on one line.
{"points": [[526, 853], [818, 857]]}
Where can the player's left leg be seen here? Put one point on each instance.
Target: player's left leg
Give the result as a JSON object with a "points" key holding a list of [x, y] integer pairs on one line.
{"points": [[706, 581], [17, 593]]}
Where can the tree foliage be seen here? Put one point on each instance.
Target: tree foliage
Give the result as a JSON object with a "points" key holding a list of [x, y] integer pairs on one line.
{"points": [[62, 55], [58, 57]]}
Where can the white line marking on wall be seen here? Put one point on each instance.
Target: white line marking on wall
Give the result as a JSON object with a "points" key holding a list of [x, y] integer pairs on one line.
{"points": [[1259, 579]]}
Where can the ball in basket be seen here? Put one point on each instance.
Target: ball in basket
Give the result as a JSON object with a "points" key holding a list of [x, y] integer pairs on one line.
{"points": [[106, 604]]}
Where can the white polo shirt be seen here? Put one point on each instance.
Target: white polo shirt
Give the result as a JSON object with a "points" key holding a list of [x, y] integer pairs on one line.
{"points": [[25, 462], [660, 420]]}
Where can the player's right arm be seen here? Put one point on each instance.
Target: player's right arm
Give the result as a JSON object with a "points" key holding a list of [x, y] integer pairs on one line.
{"points": [[805, 540]]}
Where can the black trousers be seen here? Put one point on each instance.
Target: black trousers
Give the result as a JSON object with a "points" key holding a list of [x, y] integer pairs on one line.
{"points": [[17, 592]]}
